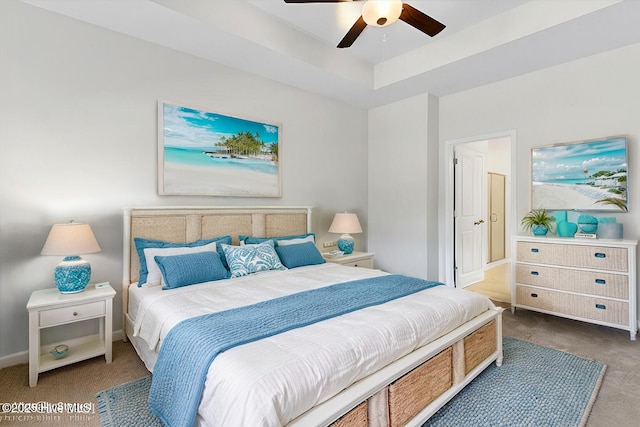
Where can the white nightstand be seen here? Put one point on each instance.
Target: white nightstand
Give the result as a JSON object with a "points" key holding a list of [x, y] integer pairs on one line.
{"points": [[49, 308], [355, 259]]}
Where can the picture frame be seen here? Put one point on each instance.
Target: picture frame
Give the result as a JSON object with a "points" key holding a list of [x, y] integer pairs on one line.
{"points": [[581, 176], [204, 152]]}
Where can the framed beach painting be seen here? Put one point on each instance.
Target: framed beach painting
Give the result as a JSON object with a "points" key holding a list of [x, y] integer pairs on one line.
{"points": [[584, 175], [202, 152]]}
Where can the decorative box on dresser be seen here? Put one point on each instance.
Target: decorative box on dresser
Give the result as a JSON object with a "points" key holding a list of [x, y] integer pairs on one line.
{"points": [[355, 259], [591, 280]]}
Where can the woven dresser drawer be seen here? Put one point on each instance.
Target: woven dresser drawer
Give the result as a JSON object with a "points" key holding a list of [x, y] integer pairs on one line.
{"points": [[596, 257], [542, 253], [587, 282], [585, 306]]}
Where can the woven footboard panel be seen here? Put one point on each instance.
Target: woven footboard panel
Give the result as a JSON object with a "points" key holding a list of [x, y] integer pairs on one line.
{"points": [[479, 345], [413, 392], [357, 417]]}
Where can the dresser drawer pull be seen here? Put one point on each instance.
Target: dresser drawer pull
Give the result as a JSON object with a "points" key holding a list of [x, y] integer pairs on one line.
{"points": [[75, 313], [601, 306], [600, 255], [601, 281], [534, 295], [534, 273], [534, 250]]}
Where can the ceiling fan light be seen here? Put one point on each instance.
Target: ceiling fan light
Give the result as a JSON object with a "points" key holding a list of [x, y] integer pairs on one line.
{"points": [[380, 13]]}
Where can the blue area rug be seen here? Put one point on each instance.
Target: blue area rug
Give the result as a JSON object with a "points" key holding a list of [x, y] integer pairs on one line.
{"points": [[535, 386], [126, 405]]}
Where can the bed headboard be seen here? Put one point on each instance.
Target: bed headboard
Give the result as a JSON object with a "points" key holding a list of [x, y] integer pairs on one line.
{"points": [[186, 224]]}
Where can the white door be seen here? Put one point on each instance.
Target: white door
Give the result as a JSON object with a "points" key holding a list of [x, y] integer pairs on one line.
{"points": [[469, 211]]}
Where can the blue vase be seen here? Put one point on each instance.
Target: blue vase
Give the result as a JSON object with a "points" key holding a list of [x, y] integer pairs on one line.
{"points": [[72, 275], [567, 229], [539, 230], [346, 244]]}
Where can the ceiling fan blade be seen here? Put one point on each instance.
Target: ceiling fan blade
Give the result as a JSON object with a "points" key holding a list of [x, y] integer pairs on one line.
{"points": [[419, 20], [353, 33], [316, 1]]}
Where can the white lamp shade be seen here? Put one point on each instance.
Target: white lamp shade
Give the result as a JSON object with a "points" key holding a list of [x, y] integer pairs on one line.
{"points": [[345, 223], [380, 13], [73, 238]]}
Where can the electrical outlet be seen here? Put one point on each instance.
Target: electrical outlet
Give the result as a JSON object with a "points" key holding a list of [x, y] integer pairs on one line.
{"points": [[329, 244]]}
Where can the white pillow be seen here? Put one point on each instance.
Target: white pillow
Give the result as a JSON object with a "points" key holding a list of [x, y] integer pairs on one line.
{"points": [[297, 241], [154, 277]]}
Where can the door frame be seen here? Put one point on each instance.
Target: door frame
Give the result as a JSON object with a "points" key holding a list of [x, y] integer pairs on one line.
{"points": [[446, 200]]}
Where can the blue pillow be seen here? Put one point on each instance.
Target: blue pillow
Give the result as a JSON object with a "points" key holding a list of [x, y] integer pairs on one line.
{"points": [[248, 259], [248, 240], [189, 269], [299, 255], [141, 244]]}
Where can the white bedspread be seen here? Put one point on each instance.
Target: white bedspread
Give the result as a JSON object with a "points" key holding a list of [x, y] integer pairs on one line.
{"points": [[272, 381]]}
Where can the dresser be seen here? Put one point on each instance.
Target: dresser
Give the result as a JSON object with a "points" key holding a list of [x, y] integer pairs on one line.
{"points": [[582, 279]]}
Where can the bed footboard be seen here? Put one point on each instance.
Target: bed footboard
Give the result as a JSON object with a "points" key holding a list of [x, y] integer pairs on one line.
{"points": [[421, 382]]}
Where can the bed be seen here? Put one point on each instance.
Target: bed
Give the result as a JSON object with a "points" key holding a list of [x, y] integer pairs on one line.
{"points": [[350, 370]]}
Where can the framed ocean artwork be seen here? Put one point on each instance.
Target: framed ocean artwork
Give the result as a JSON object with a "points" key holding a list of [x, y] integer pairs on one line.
{"points": [[583, 175], [202, 152]]}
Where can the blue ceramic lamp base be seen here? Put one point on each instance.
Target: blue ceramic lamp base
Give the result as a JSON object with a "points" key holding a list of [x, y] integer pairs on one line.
{"points": [[346, 243], [72, 275]]}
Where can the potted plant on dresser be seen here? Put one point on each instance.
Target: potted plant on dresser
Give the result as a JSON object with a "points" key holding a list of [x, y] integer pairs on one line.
{"points": [[538, 221]]}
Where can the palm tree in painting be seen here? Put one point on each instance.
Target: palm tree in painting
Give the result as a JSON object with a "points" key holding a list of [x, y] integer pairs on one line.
{"points": [[242, 144]]}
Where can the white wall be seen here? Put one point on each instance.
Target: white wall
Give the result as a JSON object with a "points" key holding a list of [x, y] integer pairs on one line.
{"points": [[403, 186], [584, 99], [78, 141]]}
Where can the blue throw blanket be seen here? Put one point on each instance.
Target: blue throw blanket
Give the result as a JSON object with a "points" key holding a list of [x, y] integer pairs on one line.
{"points": [[190, 347]]}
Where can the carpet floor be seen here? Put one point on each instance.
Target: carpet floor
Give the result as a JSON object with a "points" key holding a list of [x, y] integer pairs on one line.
{"points": [[535, 386]]}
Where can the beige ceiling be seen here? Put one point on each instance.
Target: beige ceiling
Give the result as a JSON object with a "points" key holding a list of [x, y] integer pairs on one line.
{"points": [[484, 41]]}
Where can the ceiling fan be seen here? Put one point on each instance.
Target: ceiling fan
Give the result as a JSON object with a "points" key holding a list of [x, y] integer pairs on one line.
{"points": [[380, 13]]}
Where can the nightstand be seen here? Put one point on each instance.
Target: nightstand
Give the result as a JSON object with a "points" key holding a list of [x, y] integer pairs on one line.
{"points": [[49, 308], [355, 259]]}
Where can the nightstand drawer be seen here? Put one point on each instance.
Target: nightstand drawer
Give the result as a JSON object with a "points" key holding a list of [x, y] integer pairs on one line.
{"points": [[355, 259], [364, 263], [72, 313]]}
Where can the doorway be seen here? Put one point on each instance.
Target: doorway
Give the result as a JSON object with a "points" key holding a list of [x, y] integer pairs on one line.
{"points": [[496, 186], [499, 151]]}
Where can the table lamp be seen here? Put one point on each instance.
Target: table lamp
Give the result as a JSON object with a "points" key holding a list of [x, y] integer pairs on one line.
{"points": [[345, 223], [71, 240]]}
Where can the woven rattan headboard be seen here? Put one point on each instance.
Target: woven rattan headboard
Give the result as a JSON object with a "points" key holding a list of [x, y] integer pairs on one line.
{"points": [[186, 224]]}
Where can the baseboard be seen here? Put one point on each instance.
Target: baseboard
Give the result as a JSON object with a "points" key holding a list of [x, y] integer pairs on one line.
{"points": [[23, 356]]}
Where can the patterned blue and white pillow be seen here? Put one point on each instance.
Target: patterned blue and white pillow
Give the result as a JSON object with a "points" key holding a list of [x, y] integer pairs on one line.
{"points": [[248, 259]]}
